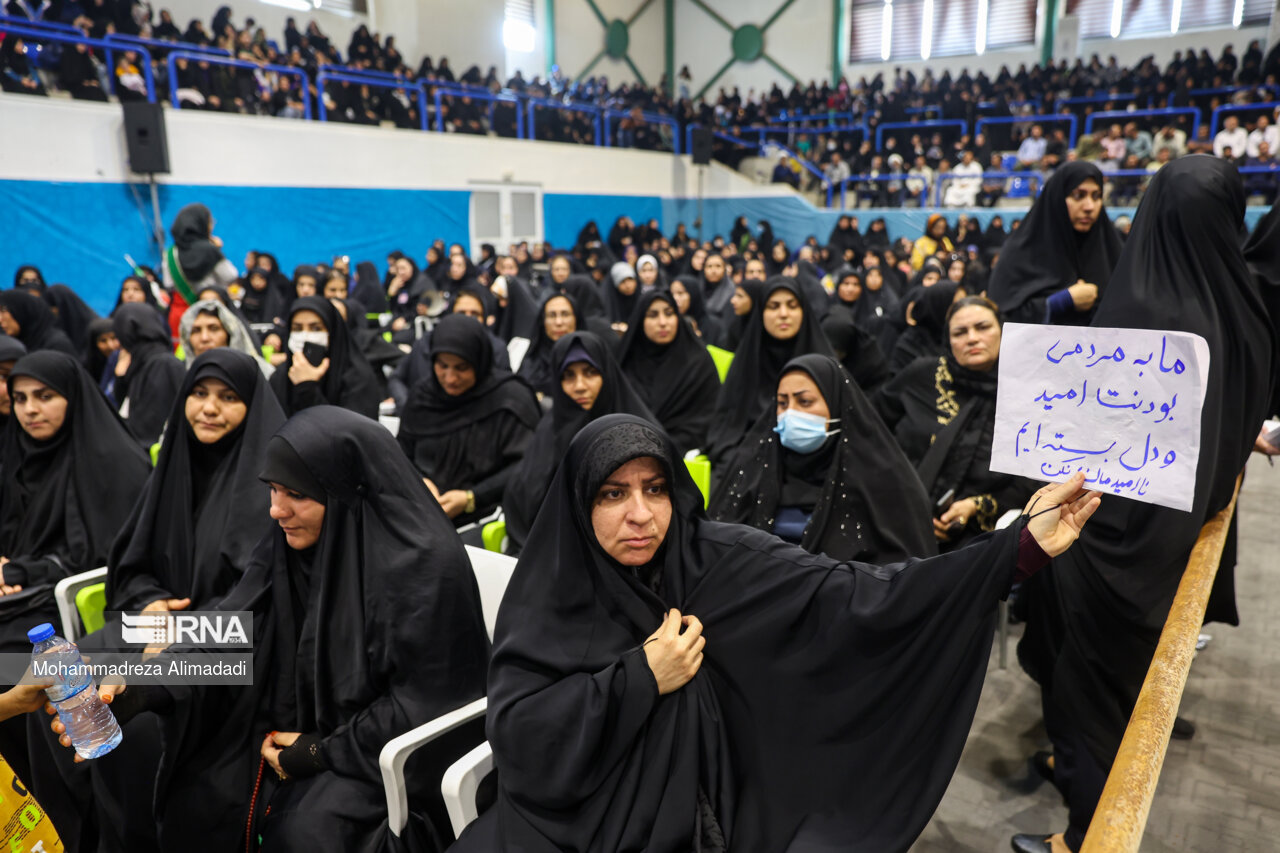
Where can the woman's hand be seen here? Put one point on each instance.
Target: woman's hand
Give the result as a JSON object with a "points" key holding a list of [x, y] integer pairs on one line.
{"points": [[1083, 294], [1260, 445], [675, 657], [122, 362], [1058, 513], [272, 745], [453, 502], [301, 370], [23, 699], [435, 492], [399, 324], [107, 692], [164, 605], [958, 513]]}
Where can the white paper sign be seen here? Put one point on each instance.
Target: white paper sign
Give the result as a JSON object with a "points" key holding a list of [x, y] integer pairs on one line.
{"points": [[1122, 405]]}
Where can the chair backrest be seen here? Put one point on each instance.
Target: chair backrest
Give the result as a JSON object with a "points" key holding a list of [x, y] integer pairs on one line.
{"points": [[493, 573], [700, 469], [91, 602], [723, 358]]}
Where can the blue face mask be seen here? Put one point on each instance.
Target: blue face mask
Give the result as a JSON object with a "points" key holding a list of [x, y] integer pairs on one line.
{"points": [[801, 431]]}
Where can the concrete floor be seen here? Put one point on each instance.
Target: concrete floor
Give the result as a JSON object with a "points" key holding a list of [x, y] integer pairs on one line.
{"points": [[1218, 792]]}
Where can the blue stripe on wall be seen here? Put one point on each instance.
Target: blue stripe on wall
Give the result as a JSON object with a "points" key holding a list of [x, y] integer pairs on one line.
{"points": [[564, 214]]}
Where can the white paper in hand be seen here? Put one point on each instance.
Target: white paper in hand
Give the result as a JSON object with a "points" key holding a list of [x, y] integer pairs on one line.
{"points": [[1122, 405]]}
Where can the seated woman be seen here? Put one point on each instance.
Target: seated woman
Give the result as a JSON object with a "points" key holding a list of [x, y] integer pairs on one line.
{"points": [[30, 319], [670, 369], [147, 373], [743, 300], [324, 369], [11, 349], [821, 471], [70, 473], [933, 241], [591, 385], [780, 329], [559, 316], [366, 622], [785, 701], [102, 350], [184, 546], [1055, 266], [924, 310], [942, 411], [466, 424], [851, 325], [210, 324]]}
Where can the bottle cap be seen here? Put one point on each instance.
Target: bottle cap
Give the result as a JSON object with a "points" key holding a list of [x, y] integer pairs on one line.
{"points": [[41, 632]]}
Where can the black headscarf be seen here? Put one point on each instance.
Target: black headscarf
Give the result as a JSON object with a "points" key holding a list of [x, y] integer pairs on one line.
{"points": [[37, 325], [522, 311], [39, 284], [154, 376], [865, 500], [533, 473], [585, 293], [813, 723], [731, 336], [368, 289], [536, 367], [94, 361], [197, 255], [1046, 253], [708, 325], [349, 382], [148, 294], [749, 388], [11, 349], [65, 498], [1182, 269], [928, 337], [203, 511], [373, 630], [678, 380], [1262, 253], [470, 441], [73, 315], [853, 328]]}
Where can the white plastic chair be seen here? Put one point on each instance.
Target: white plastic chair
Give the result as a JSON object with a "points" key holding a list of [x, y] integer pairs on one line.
{"points": [[462, 783], [492, 571], [65, 594]]}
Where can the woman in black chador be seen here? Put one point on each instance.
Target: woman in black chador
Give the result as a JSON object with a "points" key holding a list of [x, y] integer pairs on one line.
{"points": [[665, 683]]}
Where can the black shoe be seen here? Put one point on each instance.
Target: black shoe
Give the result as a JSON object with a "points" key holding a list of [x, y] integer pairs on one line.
{"points": [[1183, 729], [1024, 843], [1041, 763]]}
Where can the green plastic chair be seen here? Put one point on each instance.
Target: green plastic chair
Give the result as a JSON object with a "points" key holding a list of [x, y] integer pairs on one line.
{"points": [[155, 453], [723, 358], [494, 536], [91, 602], [700, 469]]}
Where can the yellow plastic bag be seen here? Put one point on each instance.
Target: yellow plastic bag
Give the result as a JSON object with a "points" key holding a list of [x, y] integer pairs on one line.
{"points": [[27, 829]]}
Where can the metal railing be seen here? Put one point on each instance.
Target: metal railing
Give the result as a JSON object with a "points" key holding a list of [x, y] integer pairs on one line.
{"points": [[1071, 119], [1226, 109], [1121, 816], [652, 118], [442, 91], [547, 103], [919, 125], [172, 63], [326, 76], [61, 37], [765, 132], [52, 26], [1121, 116]]}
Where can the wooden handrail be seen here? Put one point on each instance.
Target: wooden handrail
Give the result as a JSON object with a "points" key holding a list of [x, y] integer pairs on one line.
{"points": [[1121, 815]]}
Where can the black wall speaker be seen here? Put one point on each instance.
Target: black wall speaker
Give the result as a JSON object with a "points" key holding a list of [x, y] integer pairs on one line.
{"points": [[145, 137], [702, 139]]}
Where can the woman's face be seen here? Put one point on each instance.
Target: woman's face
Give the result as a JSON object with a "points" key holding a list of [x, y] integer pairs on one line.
{"points": [[404, 269], [850, 289], [107, 343], [41, 410], [581, 382], [131, 291], [558, 319], [660, 322], [741, 302], [305, 286], [713, 269], [631, 512], [455, 374], [560, 269], [648, 275], [875, 279], [469, 305], [300, 517], [797, 390], [6, 405], [699, 258], [307, 321], [258, 281], [335, 288], [681, 295], [975, 337], [1084, 205], [208, 295], [214, 410], [433, 255], [938, 228], [782, 315], [779, 253], [457, 267], [955, 271], [10, 325], [207, 332], [930, 278]]}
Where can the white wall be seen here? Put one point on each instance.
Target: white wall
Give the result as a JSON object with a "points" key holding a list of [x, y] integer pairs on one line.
{"points": [[580, 37], [1129, 51], [271, 18]]}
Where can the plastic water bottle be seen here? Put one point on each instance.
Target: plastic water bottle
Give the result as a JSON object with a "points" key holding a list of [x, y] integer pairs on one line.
{"points": [[93, 728]]}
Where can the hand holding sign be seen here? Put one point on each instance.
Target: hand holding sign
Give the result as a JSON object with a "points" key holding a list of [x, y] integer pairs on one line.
{"points": [[1120, 405]]}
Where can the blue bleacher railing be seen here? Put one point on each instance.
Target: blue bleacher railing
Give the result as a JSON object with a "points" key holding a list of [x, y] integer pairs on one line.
{"points": [[919, 125], [54, 26], [327, 75], [790, 133], [1122, 116], [1032, 180], [550, 104], [652, 118], [189, 56], [808, 167], [156, 47], [1085, 101], [442, 91], [1073, 133], [61, 37], [1221, 112]]}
